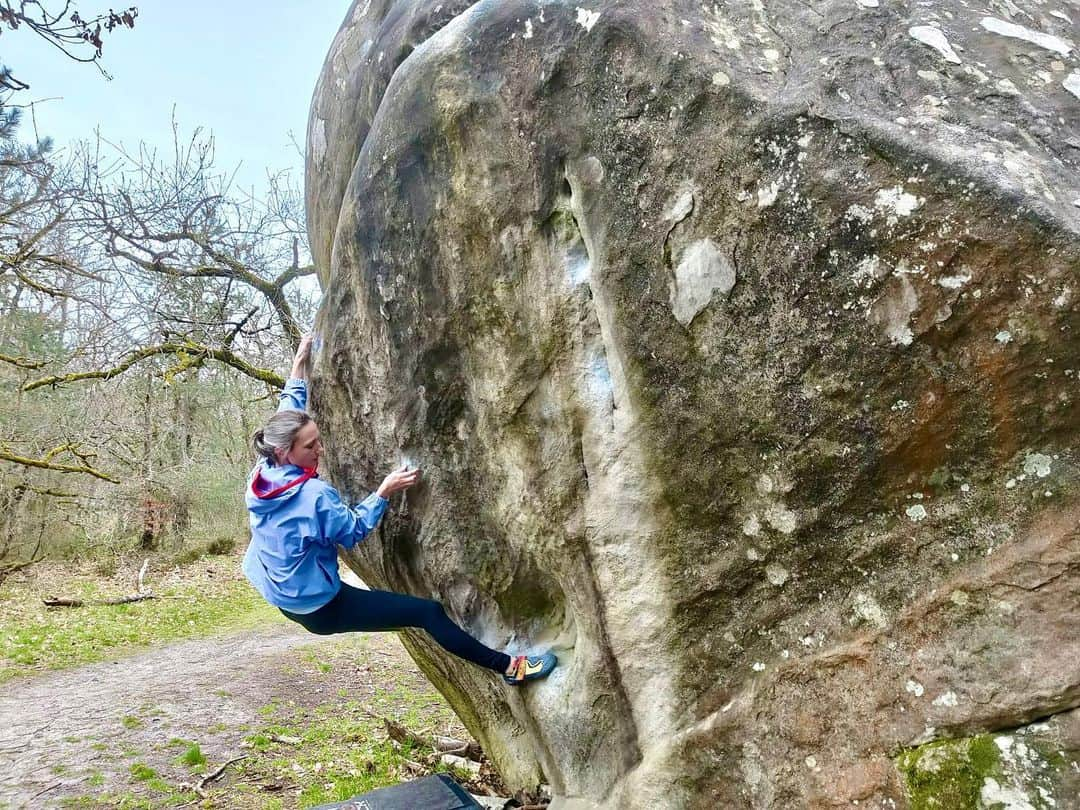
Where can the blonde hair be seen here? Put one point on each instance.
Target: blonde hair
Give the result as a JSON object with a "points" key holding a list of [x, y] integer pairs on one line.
{"points": [[279, 433]]}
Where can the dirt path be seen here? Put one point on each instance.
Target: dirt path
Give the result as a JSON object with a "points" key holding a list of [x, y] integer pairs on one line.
{"points": [[77, 733]]}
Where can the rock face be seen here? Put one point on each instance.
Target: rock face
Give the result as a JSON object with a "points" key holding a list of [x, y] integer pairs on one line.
{"points": [[738, 343]]}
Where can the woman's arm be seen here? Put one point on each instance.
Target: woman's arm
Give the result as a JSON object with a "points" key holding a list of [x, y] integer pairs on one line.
{"points": [[293, 396], [347, 526], [300, 360]]}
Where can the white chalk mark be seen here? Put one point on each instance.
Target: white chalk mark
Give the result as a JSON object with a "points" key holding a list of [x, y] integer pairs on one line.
{"points": [[587, 19]]}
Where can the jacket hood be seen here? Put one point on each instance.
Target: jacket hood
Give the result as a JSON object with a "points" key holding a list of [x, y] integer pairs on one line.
{"points": [[269, 485]]}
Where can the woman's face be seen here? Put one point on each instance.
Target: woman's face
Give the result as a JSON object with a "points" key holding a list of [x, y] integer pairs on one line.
{"points": [[306, 447]]}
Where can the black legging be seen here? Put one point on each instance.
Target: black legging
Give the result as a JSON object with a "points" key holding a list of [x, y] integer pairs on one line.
{"points": [[354, 610]]}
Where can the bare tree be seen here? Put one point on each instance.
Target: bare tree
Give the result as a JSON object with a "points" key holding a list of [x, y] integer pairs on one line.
{"points": [[64, 28], [125, 276]]}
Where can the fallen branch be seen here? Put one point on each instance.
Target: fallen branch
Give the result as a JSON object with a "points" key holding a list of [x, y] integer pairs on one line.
{"points": [[199, 788], [404, 736], [53, 601], [216, 774], [469, 750]]}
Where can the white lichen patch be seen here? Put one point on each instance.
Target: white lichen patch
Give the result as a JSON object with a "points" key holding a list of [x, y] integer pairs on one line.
{"points": [[1008, 29], [766, 195], [866, 609], [680, 207], [721, 79], [758, 667], [954, 282], [776, 574], [528, 30], [946, 699], [587, 19], [751, 526], [891, 312], [1037, 464], [702, 272], [867, 3], [1004, 337], [781, 518], [1072, 84], [317, 139], [915, 688], [1004, 797], [859, 213], [897, 202], [867, 271], [960, 598], [916, 512], [929, 35]]}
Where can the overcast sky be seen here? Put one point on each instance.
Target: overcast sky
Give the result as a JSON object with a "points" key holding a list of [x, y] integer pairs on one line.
{"points": [[243, 69]]}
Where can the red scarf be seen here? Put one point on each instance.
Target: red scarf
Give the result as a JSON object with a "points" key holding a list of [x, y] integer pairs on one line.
{"points": [[259, 484]]}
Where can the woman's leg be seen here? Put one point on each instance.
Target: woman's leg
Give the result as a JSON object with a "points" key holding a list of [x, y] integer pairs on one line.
{"points": [[355, 610]]}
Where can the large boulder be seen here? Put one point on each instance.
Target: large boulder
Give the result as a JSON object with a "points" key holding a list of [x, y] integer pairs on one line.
{"points": [[738, 344]]}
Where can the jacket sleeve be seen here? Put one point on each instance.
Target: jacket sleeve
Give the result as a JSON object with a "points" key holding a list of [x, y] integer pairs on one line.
{"points": [[344, 525], [293, 396]]}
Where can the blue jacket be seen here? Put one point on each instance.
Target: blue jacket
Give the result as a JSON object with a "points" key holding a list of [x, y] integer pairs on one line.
{"points": [[292, 558]]}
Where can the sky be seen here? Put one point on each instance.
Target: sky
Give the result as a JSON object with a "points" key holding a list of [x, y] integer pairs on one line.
{"points": [[241, 69]]}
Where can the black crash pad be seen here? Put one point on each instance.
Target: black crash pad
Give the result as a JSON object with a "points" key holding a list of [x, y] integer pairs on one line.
{"points": [[436, 792]]}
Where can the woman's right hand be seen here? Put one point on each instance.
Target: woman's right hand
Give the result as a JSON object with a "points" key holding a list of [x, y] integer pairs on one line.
{"points": [[397, 481]]}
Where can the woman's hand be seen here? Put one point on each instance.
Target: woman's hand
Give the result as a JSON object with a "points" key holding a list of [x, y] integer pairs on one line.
{"points": [[397, 481], [300, 359]]}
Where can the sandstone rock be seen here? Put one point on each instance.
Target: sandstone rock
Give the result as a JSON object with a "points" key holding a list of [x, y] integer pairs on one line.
{"points": [[691, 314]]}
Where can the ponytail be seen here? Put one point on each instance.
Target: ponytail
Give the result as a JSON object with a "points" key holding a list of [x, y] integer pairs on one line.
{"points": [[262, 448]]}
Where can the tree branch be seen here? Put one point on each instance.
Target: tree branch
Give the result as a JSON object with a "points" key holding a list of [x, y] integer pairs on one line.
{"points": [[294, 273], [46, 464], [190, 354], [22, 362]]}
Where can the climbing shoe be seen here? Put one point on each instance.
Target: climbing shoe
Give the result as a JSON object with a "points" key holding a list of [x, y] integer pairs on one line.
{"points": [[530, 668]]}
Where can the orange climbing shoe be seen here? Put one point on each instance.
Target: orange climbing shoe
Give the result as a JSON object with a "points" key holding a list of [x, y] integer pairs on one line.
{"points": [[530, 668]]}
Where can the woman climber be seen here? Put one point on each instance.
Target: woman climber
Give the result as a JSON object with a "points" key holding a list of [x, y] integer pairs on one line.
{"points": [[297, 522]]}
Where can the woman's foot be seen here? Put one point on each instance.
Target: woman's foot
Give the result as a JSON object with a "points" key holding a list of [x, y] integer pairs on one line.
{"points": [[529, 668]]}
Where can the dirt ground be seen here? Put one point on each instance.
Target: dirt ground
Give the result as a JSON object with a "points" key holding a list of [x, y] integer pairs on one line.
{"points": [[75, 733]]}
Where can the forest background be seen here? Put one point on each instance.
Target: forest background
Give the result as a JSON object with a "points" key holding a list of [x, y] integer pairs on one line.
{"points": [[150, 297]]}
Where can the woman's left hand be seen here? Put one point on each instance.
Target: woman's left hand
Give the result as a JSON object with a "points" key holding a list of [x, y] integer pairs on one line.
{"points": [[300, 359], [397, 481]]}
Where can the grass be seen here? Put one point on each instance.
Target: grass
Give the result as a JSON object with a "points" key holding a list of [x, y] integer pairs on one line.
{"points": [[192, 757], [343, 749], [198, 600]]}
